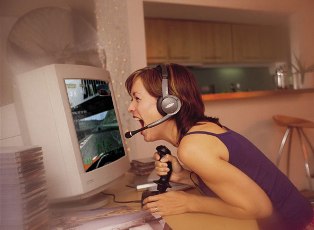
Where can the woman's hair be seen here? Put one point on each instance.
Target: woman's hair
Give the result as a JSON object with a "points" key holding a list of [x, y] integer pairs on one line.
{"points": [[182, 84]]}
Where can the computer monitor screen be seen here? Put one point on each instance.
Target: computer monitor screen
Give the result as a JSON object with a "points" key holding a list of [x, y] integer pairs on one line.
{"points": [[95, 122]]}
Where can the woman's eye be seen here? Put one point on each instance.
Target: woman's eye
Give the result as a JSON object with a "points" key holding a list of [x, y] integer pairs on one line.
{"points": [[136, 99]]}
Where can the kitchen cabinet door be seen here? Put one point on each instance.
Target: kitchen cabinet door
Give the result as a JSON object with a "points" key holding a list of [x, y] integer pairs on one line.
{"points": [[172, 41], [274, 43], [260, 44], [156, 40], [267, 43], [182, 41], [216, 42], [246, 43]]}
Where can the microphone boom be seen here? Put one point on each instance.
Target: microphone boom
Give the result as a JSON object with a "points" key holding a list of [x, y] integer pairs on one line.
{"points": [[151, 125], [132, 133]]}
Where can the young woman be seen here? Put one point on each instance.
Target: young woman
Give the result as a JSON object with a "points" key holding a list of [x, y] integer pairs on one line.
{"points": [[237, 180]]}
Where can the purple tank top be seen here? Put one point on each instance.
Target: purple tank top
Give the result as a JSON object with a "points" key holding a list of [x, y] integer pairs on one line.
{"points": [[292, 210]]}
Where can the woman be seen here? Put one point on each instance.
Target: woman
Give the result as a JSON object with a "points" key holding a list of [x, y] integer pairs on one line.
{"points": [[236, 178]]}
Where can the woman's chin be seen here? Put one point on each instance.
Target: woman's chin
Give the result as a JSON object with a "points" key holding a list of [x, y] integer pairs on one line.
{"points": [[147, 137]]}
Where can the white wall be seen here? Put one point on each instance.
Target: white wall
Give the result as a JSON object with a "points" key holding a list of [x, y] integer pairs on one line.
{"points": [[10, 134], [6, 91]]}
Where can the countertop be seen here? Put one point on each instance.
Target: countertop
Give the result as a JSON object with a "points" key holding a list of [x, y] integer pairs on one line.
{"points": [[253, 94]]}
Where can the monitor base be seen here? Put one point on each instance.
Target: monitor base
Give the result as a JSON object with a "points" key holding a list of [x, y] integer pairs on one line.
{"points": [[98, 200]]}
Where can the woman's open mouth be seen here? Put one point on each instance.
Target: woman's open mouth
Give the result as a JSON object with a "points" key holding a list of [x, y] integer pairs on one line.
{"points": [[141, 121]]}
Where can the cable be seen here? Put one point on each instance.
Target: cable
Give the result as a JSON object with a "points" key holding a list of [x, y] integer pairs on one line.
{"points": [[121, 202], [195, 184], [139, 201]]}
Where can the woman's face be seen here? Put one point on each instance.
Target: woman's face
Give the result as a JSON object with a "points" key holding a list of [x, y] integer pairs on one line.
{"points": [[144, 109]]}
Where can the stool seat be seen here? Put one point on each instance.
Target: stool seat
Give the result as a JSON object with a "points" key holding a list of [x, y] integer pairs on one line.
{"points": [[297, 124], [283, 120]]}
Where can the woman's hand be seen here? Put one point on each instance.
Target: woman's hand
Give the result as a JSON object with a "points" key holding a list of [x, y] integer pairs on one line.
{"points": [[169, 203], [162, 169]]}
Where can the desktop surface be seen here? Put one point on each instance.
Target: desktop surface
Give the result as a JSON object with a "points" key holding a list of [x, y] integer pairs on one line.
{"points": [[186, 221]]}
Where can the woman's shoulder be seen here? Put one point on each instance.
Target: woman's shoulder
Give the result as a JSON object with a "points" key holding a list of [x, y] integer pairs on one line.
{"points": [[203, 132], [199, 144], [207, 127]]}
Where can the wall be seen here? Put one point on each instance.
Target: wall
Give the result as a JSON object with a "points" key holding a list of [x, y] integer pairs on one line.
{"points": [[6, 92], [302, 35], [10, 134]]}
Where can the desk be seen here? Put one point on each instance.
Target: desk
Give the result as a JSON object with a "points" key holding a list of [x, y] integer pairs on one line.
{"points": [[187, 221]]}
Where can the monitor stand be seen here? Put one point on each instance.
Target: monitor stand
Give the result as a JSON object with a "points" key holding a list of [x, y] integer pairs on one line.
{"points": [[99, 200]]}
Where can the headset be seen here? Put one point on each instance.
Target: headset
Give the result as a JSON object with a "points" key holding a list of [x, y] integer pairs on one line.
{"points": [[167, 105]]}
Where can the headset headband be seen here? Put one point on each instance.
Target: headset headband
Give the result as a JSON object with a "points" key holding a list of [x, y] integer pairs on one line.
{"points": [[164, 84]]}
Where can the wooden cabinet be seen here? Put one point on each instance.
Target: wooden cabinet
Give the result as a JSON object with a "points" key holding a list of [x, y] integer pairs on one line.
{"points": [[181, 41], [171, 41], [216, 42], [274, 42], [156, 40], [246, 45], [200, 42], [252, 43]]}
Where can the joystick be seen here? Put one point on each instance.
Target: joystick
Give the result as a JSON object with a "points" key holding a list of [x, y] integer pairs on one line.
{"points": [[163, 182]]}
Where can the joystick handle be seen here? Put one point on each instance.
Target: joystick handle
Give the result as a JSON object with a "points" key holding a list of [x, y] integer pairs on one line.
{"points": [[163, 182]]}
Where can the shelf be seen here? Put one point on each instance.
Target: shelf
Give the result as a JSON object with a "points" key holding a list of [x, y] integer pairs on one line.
{"points": [[252, 94]]}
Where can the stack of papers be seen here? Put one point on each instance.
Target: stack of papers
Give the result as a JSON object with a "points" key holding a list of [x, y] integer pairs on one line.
{"points": [[142, 167], [120, 217], [23, 189]]}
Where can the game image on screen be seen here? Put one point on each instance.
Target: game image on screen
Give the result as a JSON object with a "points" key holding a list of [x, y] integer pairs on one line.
{"points": [[95, 122]]}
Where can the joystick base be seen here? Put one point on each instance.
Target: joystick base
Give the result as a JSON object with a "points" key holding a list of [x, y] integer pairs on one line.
{"points": [[147, 193]]}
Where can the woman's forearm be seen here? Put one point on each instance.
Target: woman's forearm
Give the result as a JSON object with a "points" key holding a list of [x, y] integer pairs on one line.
{"points": [[216, 206]]}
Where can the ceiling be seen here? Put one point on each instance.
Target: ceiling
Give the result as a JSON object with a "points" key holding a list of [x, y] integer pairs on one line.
{"points": [[17, 8], [166, 10]]}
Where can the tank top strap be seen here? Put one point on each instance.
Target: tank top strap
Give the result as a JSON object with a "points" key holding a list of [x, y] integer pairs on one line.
{"points": [[203, 132]]}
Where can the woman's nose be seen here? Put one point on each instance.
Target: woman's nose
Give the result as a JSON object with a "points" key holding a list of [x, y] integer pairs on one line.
{"points": [[131, 108]]}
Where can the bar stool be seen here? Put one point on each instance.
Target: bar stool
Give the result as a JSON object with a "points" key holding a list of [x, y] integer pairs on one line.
{"points": [[298, 124]]}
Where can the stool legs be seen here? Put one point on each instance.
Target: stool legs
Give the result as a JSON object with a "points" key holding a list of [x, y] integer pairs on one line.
{"points": [[282, 145], [307, 140], [305, 154], [288, 134], [289, 152]]}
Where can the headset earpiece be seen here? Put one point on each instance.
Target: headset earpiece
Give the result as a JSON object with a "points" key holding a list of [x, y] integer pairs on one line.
{"points": [[167, 104]]}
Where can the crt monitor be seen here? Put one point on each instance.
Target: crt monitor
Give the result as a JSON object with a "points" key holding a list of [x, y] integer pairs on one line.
{"points": [[71, 112]]}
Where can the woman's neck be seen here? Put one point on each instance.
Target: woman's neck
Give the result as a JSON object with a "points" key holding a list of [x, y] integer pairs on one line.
{"points": [[170, 133]]}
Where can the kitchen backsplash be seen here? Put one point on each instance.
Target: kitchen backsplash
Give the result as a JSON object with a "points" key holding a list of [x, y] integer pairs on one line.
{"points": [[233, 79]]}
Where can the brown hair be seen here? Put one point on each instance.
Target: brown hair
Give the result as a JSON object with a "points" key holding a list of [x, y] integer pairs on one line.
{"points": [[182, 84]]}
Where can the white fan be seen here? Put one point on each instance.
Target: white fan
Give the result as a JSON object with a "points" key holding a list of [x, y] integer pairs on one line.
{"points": [[51, 35]]}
